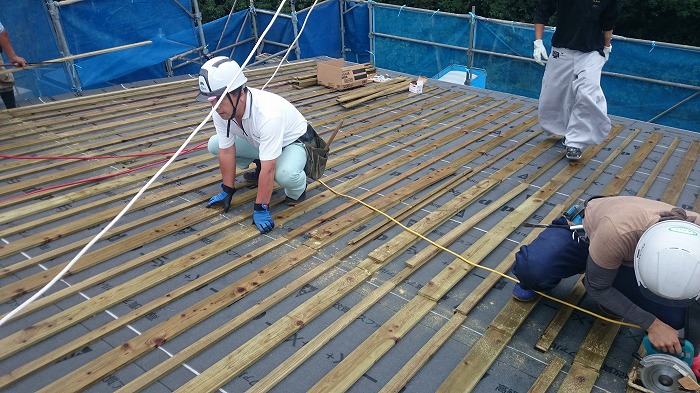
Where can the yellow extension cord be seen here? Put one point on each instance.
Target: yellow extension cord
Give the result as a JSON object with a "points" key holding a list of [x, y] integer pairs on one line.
{"points": [[475, 264]]}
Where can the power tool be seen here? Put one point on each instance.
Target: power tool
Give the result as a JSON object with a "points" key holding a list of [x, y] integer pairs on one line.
{"points": [[575, 214], [667, 372]]}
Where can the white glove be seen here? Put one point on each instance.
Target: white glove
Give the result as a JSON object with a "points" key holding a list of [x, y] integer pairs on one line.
{"points": [[606, 51], [540, 53]]}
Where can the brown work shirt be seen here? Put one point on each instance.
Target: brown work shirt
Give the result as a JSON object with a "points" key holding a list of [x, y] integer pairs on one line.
{"points": [[615, 224]]}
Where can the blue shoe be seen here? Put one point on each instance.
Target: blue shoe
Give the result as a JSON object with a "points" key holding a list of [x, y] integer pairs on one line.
{"points": [[524, 295]]}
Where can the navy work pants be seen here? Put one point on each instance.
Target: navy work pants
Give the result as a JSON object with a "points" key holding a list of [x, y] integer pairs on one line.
{"points": [[555, 254]]}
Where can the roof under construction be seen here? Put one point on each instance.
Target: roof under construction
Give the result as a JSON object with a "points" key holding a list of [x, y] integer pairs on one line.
{"points": [[178, 297]]}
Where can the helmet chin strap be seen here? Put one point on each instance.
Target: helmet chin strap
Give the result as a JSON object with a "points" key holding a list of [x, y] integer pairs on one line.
{"points": [[235, 109]]}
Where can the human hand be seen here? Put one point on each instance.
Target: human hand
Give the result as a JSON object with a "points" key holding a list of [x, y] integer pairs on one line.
{"points": [[664, 338], [262, 218], [540, 53], [18, 61], [223, 197], [606, 51]]}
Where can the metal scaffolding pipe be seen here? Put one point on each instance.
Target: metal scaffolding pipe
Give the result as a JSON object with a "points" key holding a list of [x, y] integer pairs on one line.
{"points": [[342, 28], [188, 12], [295, 27], [198, 22], [267, 58], [63, 44], [371, 34], [398, 7], [228, 19], [68, 2], [238, 37], [674, 107], [254, 26], [272, 13], [625, 76], [470, 54]]}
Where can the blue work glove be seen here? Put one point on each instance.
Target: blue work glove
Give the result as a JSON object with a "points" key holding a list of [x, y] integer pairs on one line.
{"points": [[223, 197], [262, 218]]}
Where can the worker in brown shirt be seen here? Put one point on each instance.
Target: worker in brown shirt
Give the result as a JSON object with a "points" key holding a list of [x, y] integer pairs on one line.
{"points": [[641, 260]]}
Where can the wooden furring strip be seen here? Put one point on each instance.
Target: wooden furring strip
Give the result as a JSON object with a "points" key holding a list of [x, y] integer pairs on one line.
{"points": [[226, 329], [112, 326], [623, 176], [547, 376], [138, 346], [230, 366], [682, 173], [473, 366], [26, 211], [578, 291], [53, 177], [358, 362], [397, 279], [589, 357], [443, 335], [382, 93], [668, 152]]}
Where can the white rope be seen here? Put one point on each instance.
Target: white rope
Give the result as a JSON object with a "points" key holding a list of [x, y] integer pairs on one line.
{"points": [[308, 15], [109, 226]]}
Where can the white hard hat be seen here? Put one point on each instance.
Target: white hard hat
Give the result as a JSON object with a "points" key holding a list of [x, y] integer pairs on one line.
{"points": [[216, 74], [667, 262]]}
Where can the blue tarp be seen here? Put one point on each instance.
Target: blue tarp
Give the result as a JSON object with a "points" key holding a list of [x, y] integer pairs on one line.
{"points": [[636, 99], [91, 25], [356, 21]]}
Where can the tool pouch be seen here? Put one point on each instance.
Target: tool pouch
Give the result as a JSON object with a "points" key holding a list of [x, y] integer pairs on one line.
{"points": [[316, 153], [7, 81]]}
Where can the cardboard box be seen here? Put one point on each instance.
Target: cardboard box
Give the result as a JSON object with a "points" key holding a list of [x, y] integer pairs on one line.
{"points": [[417, 85], [336, 75]]}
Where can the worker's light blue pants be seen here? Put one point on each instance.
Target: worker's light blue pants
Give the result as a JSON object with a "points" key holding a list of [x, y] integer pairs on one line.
{"points": [[555, 255], [289, 172]]}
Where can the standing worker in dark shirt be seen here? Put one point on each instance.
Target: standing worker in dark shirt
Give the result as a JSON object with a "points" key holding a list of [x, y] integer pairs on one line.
{"points": [[7, 81], [571, 102]]}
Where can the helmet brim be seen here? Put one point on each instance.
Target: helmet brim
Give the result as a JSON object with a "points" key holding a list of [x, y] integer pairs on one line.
{"points": [[203, 97]]}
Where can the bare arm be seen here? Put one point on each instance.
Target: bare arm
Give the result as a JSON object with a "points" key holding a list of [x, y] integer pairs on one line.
{"points": [[227, 165], [539, 31], [266, 181], [6, 46], [607, 37]]}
